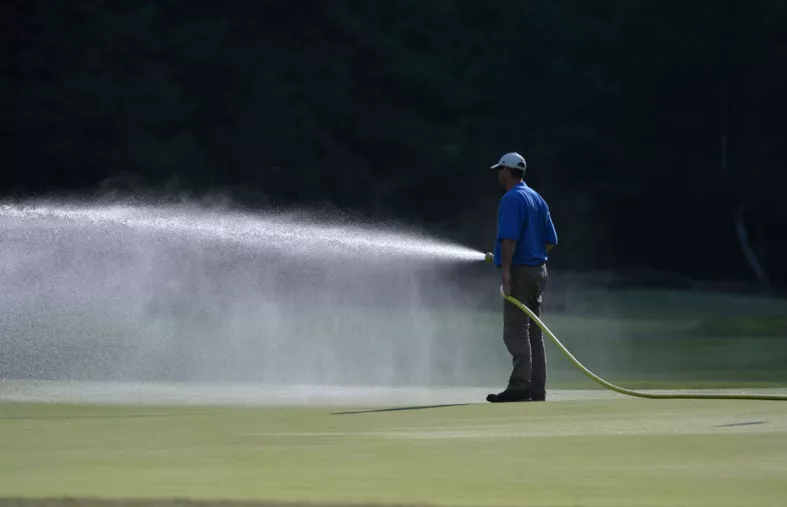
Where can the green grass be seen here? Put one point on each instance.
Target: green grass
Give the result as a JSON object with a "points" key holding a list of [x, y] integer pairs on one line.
{"points": [[654, 353], [667, 304], [654, 338], [649, 337], [768, 326], [624, 452]]}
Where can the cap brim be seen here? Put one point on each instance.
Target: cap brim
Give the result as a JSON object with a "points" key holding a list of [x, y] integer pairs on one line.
{"points": [[496, 166]]}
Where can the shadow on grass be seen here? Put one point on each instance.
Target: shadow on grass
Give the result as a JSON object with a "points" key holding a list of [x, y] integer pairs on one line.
{"points": [[398, 409], [751, 423]]}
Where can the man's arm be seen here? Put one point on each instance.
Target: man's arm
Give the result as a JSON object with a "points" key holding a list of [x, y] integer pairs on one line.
{"points": [[508, 231], [507, 247], [507, 253], [551, 233]]}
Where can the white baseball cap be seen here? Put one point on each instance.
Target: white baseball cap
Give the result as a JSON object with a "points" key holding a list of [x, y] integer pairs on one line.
{"points": [[513, 160]]}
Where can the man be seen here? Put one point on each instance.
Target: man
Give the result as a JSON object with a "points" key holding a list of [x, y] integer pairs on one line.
{"points": [[525, 234]]}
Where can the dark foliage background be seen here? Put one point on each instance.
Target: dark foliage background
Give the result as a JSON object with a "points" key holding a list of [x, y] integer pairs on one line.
{"points": [[654, 129]]}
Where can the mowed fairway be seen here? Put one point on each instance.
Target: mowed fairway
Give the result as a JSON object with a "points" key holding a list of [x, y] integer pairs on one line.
{"points": [[605, 452]]}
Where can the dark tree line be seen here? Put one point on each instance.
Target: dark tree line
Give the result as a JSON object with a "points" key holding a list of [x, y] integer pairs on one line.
{"points": [[654, 129]]}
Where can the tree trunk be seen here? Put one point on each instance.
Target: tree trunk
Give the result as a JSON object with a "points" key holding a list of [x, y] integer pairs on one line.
{"points": [[746, 247], [740, 226]]}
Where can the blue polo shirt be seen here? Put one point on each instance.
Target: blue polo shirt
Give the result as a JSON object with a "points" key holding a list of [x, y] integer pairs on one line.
{"points": [[523, 216]]}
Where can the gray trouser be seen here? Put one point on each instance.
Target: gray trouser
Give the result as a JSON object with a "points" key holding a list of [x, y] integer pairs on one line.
{"points": [[522, 336]]}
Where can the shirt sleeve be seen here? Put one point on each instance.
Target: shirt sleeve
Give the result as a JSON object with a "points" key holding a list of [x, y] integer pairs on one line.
{"points": [[508, 220], [551, 232]]}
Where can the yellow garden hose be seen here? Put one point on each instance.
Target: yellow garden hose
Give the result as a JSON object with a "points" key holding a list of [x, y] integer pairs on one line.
{"points": [[622, 390]]}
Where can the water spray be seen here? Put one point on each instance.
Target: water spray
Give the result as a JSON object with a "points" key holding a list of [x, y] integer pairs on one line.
{"points": [[135, 291], [274, 233], [179, 292], [628, 392]]}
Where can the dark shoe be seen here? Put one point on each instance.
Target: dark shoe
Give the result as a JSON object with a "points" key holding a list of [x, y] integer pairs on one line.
{"points": [[508, 396], [541, 396]]}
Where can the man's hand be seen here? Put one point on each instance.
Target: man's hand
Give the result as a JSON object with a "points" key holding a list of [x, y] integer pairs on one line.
{"points": [[507, 282]]}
